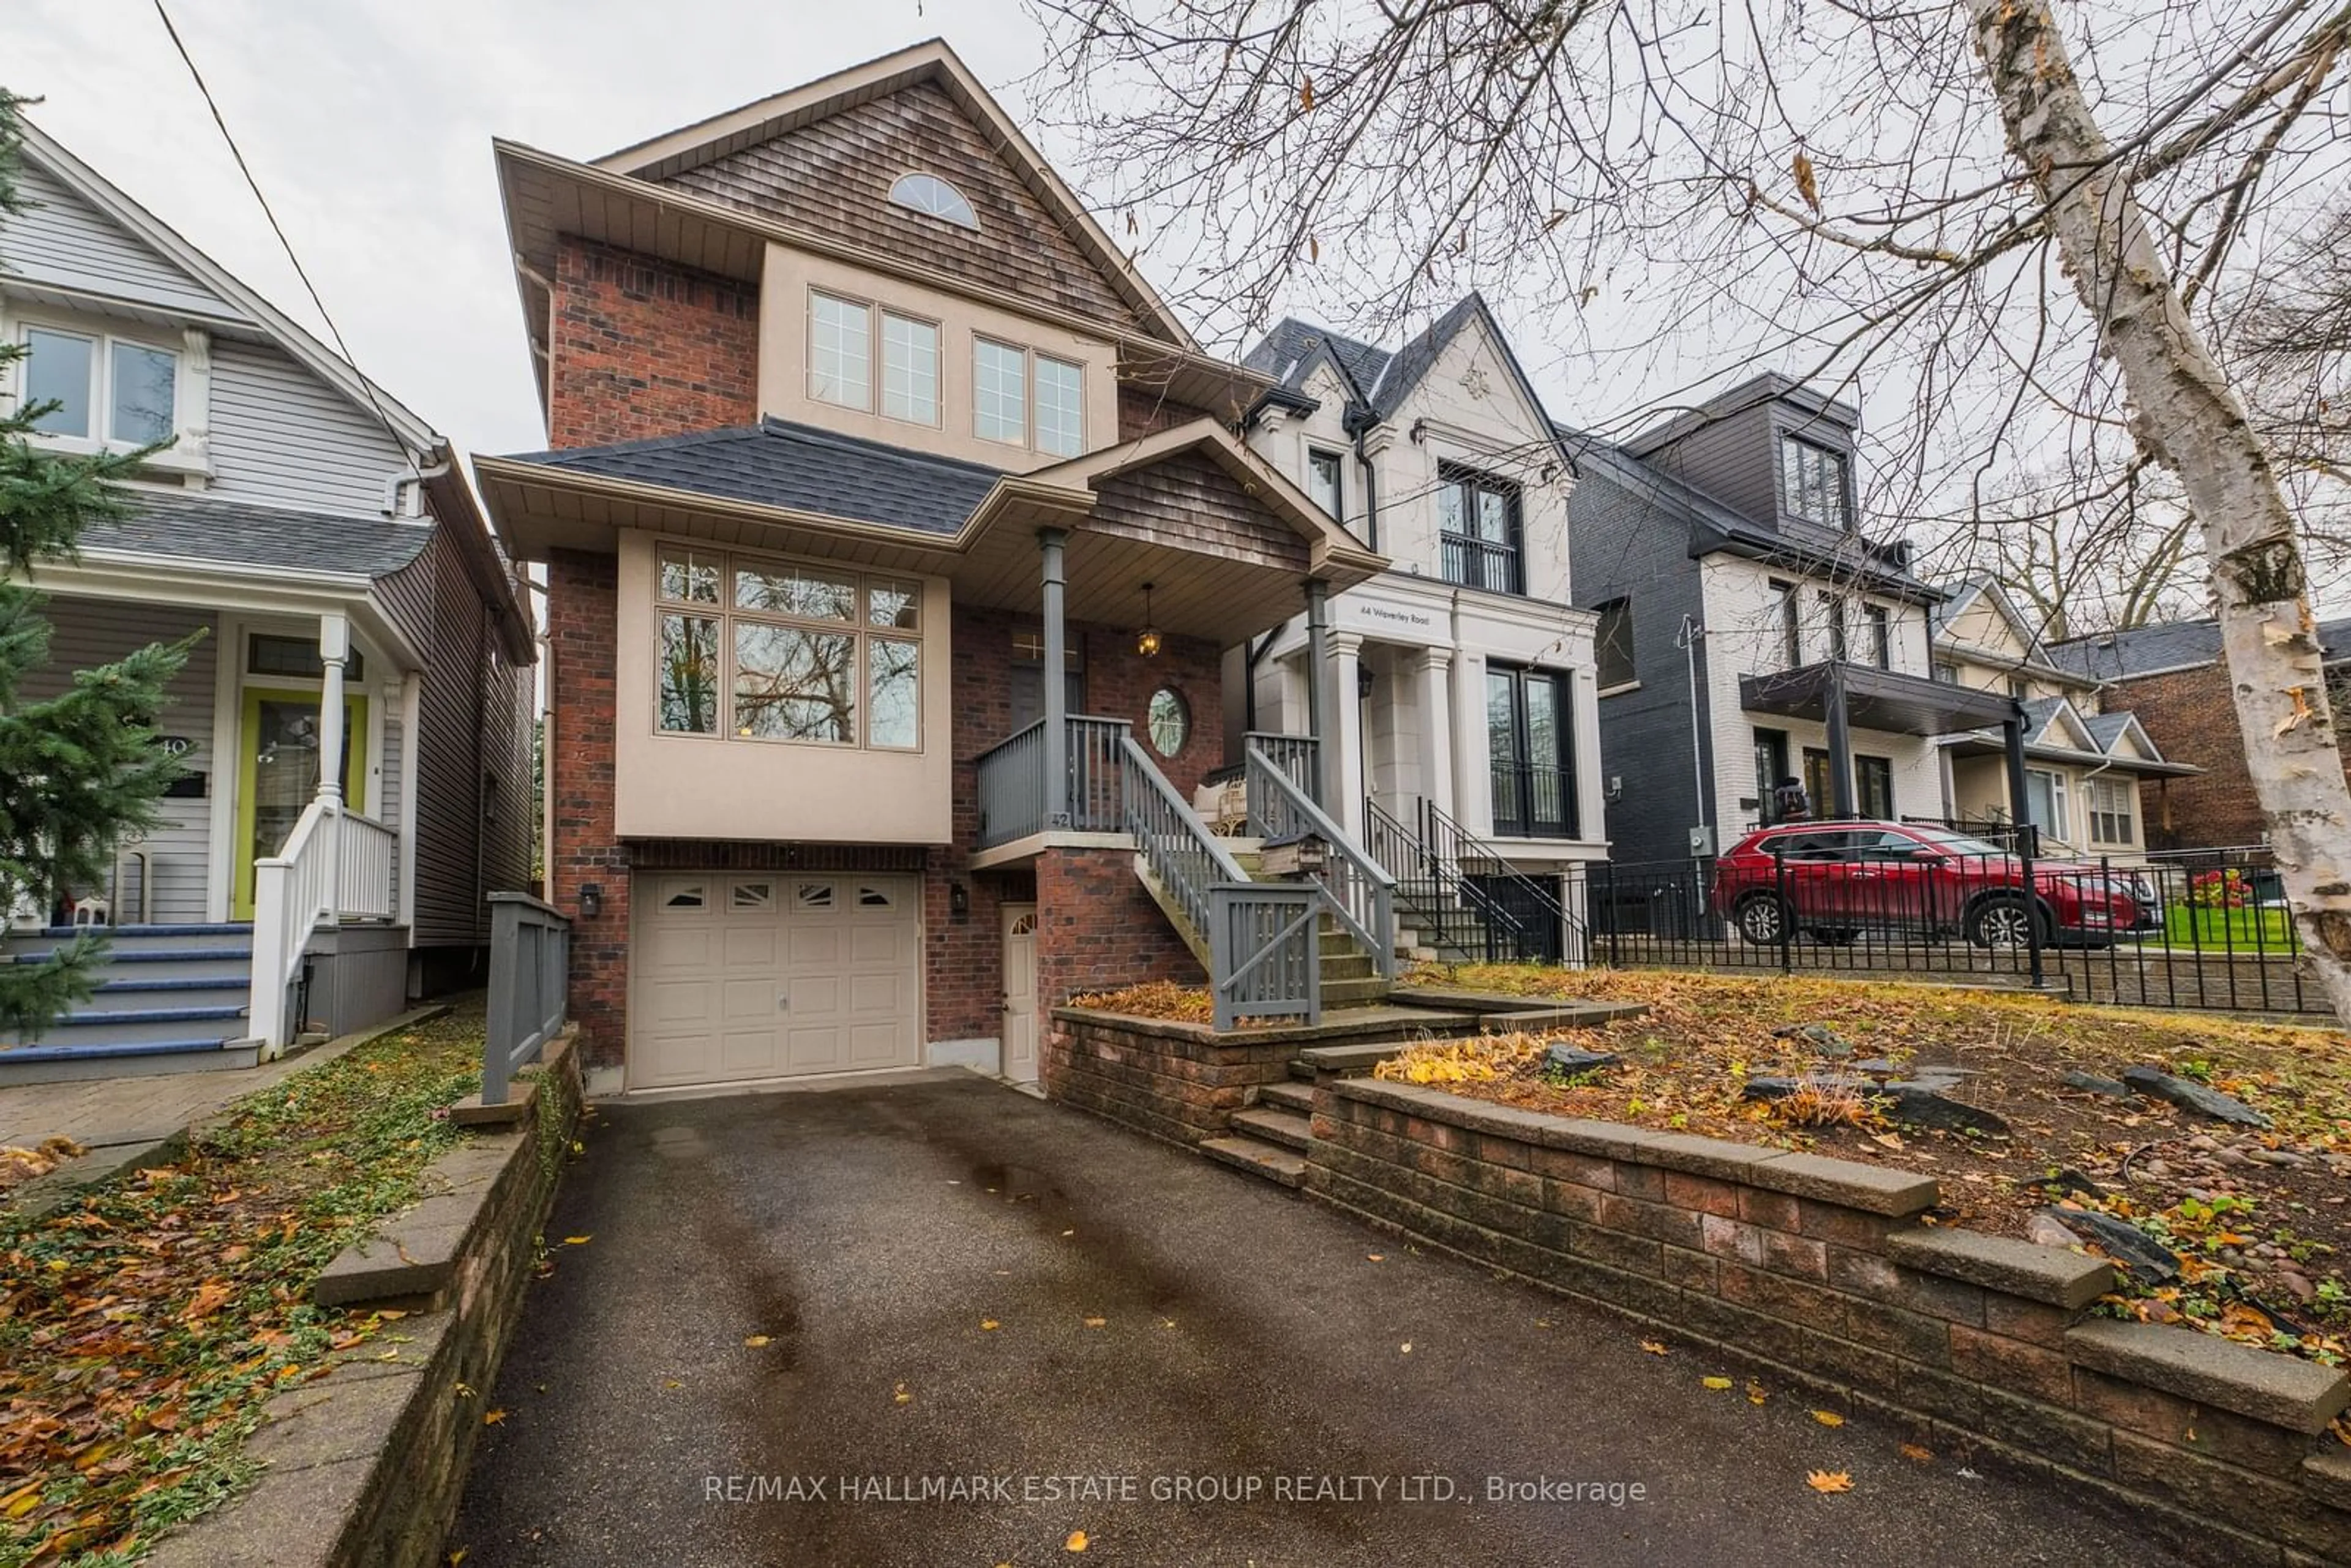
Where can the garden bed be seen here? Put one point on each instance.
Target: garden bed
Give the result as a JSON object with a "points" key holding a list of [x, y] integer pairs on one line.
{"points": [[2259, 1219], [144, 1330]]}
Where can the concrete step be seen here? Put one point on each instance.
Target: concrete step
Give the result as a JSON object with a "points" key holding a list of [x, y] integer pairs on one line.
{"points": [[218, 958], [1344, 1061], [1301, 1072], [1283, 1166], [70, 1063], [1345, 964], [1267, 1125], [1355, 993], [141, 1026], [1297, 1098]]}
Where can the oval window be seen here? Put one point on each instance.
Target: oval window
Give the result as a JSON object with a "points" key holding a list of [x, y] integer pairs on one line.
{"points": [[1170, 721]]}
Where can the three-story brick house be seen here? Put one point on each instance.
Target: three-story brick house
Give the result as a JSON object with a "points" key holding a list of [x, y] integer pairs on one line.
{"points": [[895, 532]]}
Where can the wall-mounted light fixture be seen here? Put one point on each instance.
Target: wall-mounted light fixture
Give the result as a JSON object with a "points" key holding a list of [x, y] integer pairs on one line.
{"points": [[1146, 642], [592, 900], [959, 899]]}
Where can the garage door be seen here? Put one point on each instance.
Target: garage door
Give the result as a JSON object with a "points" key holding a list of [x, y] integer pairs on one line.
{"points": [[742, 976]]}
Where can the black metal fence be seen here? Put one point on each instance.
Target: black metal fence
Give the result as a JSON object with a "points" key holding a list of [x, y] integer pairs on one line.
{"points": [[2208, 931]]}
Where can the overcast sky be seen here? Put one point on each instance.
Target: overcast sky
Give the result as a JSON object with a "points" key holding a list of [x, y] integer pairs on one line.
{"points": [[367, 123]]}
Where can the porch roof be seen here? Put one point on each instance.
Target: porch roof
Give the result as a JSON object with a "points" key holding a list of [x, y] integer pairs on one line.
{"points": [[1225, 540], [1979, 743], [1883, 700], [235, 534]]}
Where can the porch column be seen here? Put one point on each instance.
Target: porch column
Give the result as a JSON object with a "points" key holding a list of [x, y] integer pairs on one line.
{"points": [[1318, 675], [1342, 748], [2019, 795], [334, 652], [1840, 747], [1434, 694], [1057, 681]]}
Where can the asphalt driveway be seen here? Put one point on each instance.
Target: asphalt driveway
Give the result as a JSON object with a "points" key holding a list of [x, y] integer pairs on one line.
{"points": [[1162, 1326]]}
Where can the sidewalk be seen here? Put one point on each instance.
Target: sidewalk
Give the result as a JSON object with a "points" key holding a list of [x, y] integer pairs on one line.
{"points": [[98, 1113]]}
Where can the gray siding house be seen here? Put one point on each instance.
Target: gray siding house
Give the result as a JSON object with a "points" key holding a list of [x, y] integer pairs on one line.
{"points": [[1750, 632], [352, 602]]}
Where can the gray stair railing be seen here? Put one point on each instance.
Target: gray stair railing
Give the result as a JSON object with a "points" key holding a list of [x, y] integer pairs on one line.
{"points": [[1014, 800], [1263, 942], [1012, 788], [1471, 857], [1298, 756], [1361, 893], [530, 985], [1432, 888]]}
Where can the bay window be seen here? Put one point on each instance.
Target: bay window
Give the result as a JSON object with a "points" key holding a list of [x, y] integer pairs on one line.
{"points": [[768, 650]]}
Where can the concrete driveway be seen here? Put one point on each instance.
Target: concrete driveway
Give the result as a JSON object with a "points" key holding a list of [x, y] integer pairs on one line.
{"points": [[1160, 1323]]}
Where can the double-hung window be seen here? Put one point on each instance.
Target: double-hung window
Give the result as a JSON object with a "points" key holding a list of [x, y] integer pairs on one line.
{"points": [[2045, 794], [1325, 481], [2113, 803], [768, 650], [1880, 627], [1813, 483], [100, 388], [1788, 623], [849, 339], [1026, 398], [1478, 530]]}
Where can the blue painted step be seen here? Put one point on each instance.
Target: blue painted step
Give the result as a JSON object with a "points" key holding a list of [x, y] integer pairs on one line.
{"points": [[62, 1063], [221, 928]]}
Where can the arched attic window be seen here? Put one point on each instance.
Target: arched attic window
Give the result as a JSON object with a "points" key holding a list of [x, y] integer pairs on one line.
{"points": [[934, 197]]}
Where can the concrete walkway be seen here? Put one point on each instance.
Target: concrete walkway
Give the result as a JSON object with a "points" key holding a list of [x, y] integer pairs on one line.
{"points": [[98, 1113], [1158, 1322]]}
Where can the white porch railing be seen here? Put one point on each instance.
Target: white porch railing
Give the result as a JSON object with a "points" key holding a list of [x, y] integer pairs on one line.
{"points": [[335, 866]]}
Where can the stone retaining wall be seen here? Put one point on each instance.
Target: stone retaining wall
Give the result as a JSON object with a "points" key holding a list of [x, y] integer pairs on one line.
{"points": [[1174, 1081], [1821, 1273], [364, 1467]]}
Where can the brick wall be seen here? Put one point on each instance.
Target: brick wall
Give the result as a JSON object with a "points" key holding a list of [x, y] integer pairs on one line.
{"points": [[1818, 1273], [2191, 717], [582, 625], [644, 348], [1098, 929]]}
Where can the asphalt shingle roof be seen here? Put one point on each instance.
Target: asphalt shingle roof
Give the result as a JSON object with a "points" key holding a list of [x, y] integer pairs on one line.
{"points": [[2172, 645], [239, 534], [777, 463], [2106, 728], [1383, 379]]}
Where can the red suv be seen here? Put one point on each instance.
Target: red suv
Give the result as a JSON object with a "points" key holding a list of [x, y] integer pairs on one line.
{"points": [[1841, 879]]}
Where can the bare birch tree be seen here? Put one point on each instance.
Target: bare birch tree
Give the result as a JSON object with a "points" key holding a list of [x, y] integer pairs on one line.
{"points": [[2033, 236]]}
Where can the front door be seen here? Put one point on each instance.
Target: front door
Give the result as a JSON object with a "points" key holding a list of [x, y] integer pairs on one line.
{"points": [[277, 773], [1020, 993], [1527, 729]]}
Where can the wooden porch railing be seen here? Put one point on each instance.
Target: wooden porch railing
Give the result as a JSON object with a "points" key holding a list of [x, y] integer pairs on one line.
{"points": [[1014, 800], [335, 865], [1361, 892]]}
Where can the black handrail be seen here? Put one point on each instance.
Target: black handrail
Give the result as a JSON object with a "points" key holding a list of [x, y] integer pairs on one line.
{"points": [[1443, 881], [1448, 841]]}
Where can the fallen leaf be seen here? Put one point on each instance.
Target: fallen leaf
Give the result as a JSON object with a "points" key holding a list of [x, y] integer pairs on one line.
{"points": [[1717, 1383], [672, 1382], [576, 1241], [456, 1557], [1068, 1233], [756, 1341], [492, 1418], [1756, 1394], [1076, 1543], [1376, 1256], [1406, 1347], [1888, 1140], [900, 1396], [1653, 1348], [1826, 1481], [1918, 1455], [987, 1322], [1828, 1417]]}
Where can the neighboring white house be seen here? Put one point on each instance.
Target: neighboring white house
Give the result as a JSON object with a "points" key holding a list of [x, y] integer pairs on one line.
{"points": [[1461, 684], [350, 601]]}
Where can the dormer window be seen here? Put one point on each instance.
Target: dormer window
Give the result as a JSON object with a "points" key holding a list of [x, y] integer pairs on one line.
{"points": [[934, 197], [1812, 484]]}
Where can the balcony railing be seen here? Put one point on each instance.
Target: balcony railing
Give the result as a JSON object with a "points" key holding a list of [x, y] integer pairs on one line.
{"points": [[1014, 802], [1532, 800], [1481, 563]]}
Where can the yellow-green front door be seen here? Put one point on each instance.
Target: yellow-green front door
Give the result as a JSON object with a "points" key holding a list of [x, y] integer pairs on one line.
{"points": [[277, 773]]}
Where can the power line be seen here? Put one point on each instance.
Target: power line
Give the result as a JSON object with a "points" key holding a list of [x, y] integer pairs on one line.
{"points": [[342, 348]]}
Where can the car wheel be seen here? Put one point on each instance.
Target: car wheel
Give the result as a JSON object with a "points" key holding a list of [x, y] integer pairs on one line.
{"points": [[1762, 919], [2001, 923]]}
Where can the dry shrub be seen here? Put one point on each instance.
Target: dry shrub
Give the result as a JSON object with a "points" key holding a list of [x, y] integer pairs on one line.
{"points": [[1474, 1061], [1818, 1102], [1154, 1000]]}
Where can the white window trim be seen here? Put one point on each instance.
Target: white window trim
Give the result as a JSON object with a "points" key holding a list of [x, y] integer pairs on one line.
{"points": [[1029, 357], [190, 456]]}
